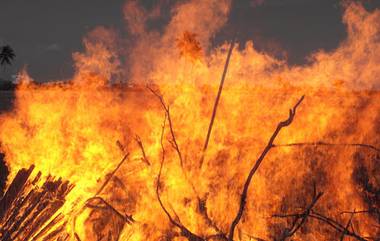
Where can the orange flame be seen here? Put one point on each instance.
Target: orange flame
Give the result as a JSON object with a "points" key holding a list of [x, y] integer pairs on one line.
{"points": [[80, 129]]}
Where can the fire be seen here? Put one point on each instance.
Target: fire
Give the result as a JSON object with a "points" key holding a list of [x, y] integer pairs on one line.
{"points": [[81, 129]]}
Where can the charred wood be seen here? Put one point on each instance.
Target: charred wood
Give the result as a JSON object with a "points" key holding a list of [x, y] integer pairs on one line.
{"points": [[28, 208]]}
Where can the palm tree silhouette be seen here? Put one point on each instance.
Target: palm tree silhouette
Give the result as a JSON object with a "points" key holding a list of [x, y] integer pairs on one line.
{"points": [[7, 55]]}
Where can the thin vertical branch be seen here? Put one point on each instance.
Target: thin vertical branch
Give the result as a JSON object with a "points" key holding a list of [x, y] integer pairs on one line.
{"points": [[217, 100], [347, 226], [184, 231], [171, 128]]}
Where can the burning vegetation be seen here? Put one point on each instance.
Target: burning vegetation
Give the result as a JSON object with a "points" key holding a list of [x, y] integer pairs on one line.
{"points": [[156, 148]]}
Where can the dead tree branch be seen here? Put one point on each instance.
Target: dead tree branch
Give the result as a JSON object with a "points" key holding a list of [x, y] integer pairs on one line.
{"points": [[171, 128], [337, 226], [202, 209], [243, 197], [357, 212], [321, 143], [112, 174], [184, 231], [100, 190], [241, 236], [217, 101], [347, 226], [144, 158], [173, 141], [299, 219], [89, 203]]}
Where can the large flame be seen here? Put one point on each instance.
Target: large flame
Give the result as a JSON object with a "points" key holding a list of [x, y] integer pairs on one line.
{"points": [[80, 129]]}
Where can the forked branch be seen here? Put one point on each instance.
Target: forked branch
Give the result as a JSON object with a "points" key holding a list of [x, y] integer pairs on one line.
{"points": [[184, 231], [144, 157], [243, 197], [299, 219], [337, 226], [167, 113]]}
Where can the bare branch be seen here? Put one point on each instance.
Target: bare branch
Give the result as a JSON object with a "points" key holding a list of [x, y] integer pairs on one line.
{"points": [[77, 236], [103, 186], [144, 158], [202, 208], [337, 226], [167, 111], [243, 197], [251, 237], [173, 141], [184, 231], [217, 101], [347, 226], [127, 218], [159, 176], [329, 144], [357, 212], [112, 174], [299, 218]]}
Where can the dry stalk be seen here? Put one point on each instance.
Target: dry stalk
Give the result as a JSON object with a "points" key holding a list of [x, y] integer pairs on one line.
{"points": [[217, 102]]}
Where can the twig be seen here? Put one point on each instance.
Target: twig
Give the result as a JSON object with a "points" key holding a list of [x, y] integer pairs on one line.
{"points": [[144, 158], [159, 176], [217, 101], [184, 231], [251, 237], [282, 124], [103, 186], [112, 174], [173, 142], [357, 212], [77, 237], [202, 208], [127, 218], [337, 226], [167, 111], [347, 226], [321, 143], [310, 213], [299, 218]]}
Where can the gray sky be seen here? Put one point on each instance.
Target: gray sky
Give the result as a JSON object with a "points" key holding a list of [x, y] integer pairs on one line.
{"points": [[44, 33]]}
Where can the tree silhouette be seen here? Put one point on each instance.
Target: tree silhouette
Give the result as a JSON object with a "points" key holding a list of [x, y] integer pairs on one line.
{"points": [[7, 55]]}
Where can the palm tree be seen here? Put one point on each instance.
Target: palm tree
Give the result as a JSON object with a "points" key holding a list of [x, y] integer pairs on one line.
{"points": [[7, 55]]}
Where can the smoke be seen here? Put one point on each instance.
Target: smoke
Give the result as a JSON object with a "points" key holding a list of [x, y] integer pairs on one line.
{"points": [[150, 48]]}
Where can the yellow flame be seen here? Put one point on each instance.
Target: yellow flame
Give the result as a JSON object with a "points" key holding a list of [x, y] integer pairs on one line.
{"points": [[71, 128]]}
